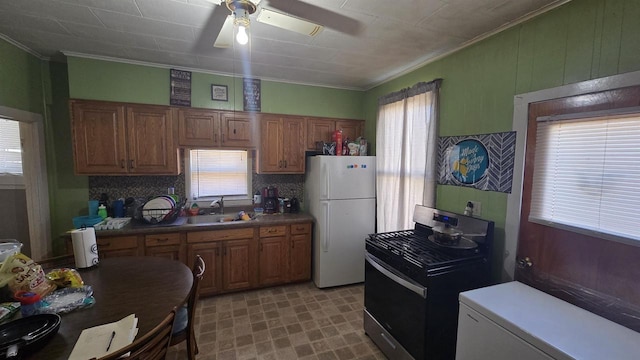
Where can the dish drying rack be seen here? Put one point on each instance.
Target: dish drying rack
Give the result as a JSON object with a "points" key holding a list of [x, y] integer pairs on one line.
{"points": [[157, 216]]}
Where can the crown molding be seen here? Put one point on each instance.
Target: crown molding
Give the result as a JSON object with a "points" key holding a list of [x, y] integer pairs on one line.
{"points": [[22, 47]]}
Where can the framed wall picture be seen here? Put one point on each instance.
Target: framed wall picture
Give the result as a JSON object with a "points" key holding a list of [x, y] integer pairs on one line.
{"points": [[219, 92]]}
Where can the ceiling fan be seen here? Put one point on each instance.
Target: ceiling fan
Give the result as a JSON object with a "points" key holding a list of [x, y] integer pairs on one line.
{"points": [[292, 15]]}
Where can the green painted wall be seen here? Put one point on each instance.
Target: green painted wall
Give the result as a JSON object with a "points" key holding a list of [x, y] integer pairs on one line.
{"points": [[104, 80], [20, 79], [578, 41], [69, 192]]}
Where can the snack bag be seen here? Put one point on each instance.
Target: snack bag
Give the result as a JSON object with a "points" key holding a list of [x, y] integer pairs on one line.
{"points": [[20, 272]]}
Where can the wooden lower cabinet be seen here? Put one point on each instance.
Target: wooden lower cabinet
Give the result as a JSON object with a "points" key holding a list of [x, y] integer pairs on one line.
{"points": [[165, 245], [300, 252], [274, 255], [230, 257], [211, 282]]}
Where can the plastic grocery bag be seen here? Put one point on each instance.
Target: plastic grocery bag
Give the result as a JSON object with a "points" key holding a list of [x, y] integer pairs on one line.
{"points": [[20, 272]]}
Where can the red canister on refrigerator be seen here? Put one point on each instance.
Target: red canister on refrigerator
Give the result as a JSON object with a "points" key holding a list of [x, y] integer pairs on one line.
{"points": [[336, 137]]}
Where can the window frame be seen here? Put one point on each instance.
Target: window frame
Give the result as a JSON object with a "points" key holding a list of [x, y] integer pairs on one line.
{"points": [[205, 201]]}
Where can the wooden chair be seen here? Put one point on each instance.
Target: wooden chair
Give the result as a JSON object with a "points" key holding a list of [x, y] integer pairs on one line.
{"points": [[185, 317], [152, 346]]}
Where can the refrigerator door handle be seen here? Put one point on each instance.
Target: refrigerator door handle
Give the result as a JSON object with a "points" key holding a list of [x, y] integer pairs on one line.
{"points": [[325, 238], [325, 177]]}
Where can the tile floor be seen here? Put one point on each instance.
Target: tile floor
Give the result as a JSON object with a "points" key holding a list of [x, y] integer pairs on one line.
{"points": [[296, 321]]}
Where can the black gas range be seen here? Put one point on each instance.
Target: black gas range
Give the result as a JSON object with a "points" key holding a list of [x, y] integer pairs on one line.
{"points": [[412, 283]]}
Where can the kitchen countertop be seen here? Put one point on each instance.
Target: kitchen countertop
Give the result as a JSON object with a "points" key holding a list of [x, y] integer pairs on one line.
{"points": [[262, 220]]}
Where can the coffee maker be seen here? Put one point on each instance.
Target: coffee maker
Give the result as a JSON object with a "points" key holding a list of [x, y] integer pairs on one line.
{"points": [[270, 200]]}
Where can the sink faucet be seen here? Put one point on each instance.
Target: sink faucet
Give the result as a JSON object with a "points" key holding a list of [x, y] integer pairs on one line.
{"points": [[220, 203]]}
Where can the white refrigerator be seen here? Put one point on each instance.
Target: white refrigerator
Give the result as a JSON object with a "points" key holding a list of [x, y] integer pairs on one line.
{"points": [[340, 192]]}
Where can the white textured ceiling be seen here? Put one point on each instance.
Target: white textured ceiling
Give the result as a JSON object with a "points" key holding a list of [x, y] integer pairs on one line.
{"points": [[394, 36]]}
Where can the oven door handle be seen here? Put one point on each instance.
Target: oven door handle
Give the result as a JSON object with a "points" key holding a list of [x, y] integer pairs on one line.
{"points": [[402, 281]]}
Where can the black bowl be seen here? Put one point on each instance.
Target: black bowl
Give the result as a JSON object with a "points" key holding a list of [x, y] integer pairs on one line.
{"points": [[26, 335]]}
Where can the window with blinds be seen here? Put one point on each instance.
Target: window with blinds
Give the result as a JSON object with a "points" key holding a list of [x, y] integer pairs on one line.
{"points": [[587, 175], [10, 149], [218, 172]]}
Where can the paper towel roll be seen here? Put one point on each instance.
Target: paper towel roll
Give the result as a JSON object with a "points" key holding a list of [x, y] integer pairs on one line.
{"points": [[85, 249]]}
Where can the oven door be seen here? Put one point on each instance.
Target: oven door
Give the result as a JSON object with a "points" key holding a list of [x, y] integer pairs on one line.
{"points": [[398, 305]]}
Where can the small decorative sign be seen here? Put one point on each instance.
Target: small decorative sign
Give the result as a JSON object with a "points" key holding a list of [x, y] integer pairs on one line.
{"points": [[484, 162], [219, 93], [180, 90], [251, 94]]}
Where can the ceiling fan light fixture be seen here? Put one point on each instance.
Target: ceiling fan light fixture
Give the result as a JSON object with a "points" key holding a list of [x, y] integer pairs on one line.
{"points": [[289, 22], [241, 10]]}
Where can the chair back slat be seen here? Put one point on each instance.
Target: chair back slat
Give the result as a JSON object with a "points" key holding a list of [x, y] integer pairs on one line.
{"points": [[152, 346]]}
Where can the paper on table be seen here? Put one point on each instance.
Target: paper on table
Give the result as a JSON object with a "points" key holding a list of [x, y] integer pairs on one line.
{"points": [[93, 342]]}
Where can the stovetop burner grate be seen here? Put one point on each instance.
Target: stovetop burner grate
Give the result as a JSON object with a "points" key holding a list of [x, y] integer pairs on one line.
{"points": [[416, 249]]}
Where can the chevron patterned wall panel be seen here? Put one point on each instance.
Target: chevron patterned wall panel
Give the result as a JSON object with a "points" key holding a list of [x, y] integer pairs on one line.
{"points": [[484, 162]]}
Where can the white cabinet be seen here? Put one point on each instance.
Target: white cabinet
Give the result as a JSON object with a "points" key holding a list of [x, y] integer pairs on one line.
{"points": [[515, 321]]}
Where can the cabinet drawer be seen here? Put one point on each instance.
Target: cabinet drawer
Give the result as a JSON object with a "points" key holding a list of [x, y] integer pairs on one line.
{"points": [[115, 243], [162, 239], [269, 231], [218, 235], [300, 229]]}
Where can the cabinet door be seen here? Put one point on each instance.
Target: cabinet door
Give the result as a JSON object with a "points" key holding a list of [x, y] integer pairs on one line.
{"points": [[351, 129], [99, 140], [237, 130], [294, 145], [271, 145], [211, 253], [199, 128], [300, 264], [319, 130], [273, 260], [150, 135], [239, 264]]}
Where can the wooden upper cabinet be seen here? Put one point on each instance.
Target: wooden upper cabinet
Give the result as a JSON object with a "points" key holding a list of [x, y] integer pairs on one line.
{"points": [[99, 140], [238, 130], [150, 135], [118, 139], [320, 129], [198, 127], [213, 129], [351, 129], [281, 145]]}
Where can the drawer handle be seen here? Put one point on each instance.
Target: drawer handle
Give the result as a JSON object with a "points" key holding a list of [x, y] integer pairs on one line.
{"points": [[273, 230], [131, 164], [122, 163], [285, 163], [163, 240]]}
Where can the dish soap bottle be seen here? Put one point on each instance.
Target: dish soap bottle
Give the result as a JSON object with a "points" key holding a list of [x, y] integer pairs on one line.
{"points": [[102, 212]]}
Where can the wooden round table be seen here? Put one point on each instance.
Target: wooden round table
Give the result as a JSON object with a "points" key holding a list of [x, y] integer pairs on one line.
{"points": [[148, 287]]}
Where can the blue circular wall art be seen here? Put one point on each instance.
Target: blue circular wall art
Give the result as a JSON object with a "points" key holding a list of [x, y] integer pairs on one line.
{"points": [[468, 161]]}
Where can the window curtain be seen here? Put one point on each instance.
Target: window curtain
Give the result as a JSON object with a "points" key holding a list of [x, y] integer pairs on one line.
{"points": [[406, 154]]}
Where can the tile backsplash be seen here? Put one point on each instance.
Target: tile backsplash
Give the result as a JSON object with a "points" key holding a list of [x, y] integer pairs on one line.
{"points": [[146, 186]]}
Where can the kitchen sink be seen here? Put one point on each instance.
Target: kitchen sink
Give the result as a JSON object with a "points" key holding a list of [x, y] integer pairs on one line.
{"points": [[211, 218]]}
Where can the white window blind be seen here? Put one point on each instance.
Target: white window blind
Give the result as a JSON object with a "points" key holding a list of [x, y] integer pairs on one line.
{"points": [[218, 172], [10, 149], [587, 176]]}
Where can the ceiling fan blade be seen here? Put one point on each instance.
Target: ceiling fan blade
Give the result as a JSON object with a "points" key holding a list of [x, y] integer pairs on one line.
{"points": [[225, 37], [318, 15], [208, 35]]}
